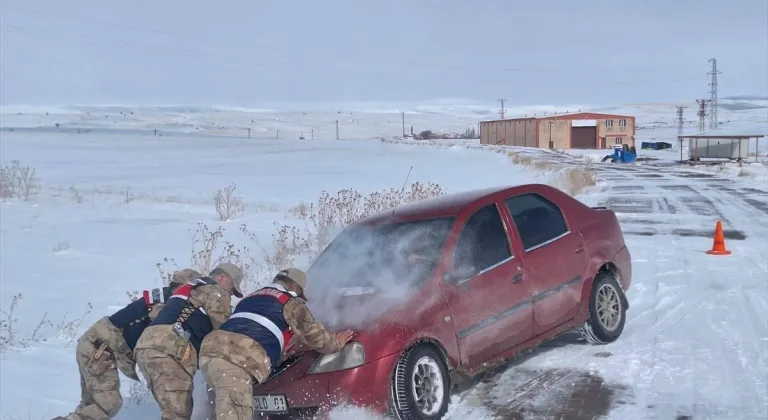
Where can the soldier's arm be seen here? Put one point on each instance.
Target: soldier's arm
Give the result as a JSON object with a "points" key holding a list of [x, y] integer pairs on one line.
{"points": [[308, 329], [218, 306]]}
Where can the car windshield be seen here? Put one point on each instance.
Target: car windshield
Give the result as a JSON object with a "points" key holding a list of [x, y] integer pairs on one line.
{"points": [[380, 257]]}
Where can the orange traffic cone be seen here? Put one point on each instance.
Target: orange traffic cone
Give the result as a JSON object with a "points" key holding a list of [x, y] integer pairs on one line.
{"points": [[718, 247]]}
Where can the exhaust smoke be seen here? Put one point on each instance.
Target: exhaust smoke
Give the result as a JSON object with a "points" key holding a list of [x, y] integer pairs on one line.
{"points": [[369, 270]]}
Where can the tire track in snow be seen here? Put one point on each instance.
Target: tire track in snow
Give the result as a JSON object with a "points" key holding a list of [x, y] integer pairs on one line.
{"points": [[690, 297], [733, 355], [729, 200]]}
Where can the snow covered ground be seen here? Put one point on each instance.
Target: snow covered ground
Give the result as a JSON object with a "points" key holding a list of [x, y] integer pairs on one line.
{"points": [[115, 202]]}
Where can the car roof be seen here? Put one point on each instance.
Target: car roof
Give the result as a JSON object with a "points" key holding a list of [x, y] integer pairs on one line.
{"points": [[448, 205]]}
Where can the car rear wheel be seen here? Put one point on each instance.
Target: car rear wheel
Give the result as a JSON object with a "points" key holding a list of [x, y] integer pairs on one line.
{"points": [[607, 311], [421, 385]]}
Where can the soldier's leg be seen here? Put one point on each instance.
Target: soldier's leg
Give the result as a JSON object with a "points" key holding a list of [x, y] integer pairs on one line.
{"points": [[99, 382], [170, 383], [141, 356], [232, 386]]}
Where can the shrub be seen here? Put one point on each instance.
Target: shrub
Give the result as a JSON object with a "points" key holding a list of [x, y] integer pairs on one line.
{"points": [[228, 205], [61, 246], [17, 181], [75, 193]]}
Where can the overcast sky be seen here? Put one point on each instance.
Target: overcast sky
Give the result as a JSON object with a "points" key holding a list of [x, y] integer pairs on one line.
{"points": [[252, 52]]}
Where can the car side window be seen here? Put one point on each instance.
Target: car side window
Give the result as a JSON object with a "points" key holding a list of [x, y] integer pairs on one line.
{"points": [[483, 242], [538, 220]]}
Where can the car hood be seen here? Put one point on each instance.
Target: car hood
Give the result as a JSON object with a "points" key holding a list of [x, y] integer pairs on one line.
{"points": [[364, 310], [356, 308]]}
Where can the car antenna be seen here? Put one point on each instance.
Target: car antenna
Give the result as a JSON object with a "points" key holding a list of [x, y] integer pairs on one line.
{"points": [[403, 189]]}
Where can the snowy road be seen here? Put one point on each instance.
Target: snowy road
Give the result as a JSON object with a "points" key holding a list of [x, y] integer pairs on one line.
{"points": [[696, 341]]}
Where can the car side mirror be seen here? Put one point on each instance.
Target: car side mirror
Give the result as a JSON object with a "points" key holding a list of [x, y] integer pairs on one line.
{"points": [[463, 273]]}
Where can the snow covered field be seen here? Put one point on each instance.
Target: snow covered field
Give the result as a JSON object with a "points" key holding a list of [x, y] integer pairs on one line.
{"points": [[115, 202]]}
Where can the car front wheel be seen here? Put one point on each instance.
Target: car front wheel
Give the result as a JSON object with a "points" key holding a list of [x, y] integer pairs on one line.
{"points": [[607, 311], [421, 385]]}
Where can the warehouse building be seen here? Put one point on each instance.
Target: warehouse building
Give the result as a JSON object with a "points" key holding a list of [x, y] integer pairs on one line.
{"points": [[582, 130]]}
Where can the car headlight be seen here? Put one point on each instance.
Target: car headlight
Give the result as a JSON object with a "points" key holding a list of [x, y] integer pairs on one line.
{"points": [[351, 356]]}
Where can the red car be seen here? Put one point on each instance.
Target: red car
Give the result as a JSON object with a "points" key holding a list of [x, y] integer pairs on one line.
{"points": [[443, 289]]}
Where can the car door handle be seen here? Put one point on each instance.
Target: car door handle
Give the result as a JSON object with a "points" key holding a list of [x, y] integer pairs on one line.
{"points": [[580, 248], [517, 278]]}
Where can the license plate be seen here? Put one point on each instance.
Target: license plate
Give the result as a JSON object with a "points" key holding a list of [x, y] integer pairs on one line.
{"points": [[270, 403]]}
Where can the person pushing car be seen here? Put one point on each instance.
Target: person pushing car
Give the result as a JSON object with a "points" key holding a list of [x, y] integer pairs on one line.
{"points": [[107, 346], [250, 344], [167, 352]]}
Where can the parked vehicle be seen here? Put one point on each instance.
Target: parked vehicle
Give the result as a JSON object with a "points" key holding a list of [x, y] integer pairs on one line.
{"points": [[501, 271], [623, 154]]}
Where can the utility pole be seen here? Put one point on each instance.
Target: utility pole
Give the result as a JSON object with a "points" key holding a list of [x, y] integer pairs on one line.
{"points": [[249, 132], [402, 113], [277, 136], [551, 145], [702, 114], [337, 129], [680, 109], [313, 134], [713, 94], [501, 111]]}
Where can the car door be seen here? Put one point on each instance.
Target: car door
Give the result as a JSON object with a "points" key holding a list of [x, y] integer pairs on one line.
{"points": [[489, 302], [555, 259]]}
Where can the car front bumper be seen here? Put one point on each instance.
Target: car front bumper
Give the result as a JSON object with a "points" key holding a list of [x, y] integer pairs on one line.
{"points": [[310, 395]]}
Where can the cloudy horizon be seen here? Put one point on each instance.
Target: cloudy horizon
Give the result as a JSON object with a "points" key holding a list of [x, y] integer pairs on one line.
{"points": [[247, 54]]}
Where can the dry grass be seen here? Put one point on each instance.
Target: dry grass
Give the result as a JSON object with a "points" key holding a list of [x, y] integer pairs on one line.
{"points": [[227, 203], [81, 194], [17, 181], [209, 249], [574, 180], [66, 329], [318, 222]]}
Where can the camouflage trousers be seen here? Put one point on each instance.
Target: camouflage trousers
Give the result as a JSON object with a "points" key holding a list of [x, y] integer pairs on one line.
{"points": [[100, 397], [170, 381], [232, 386]]}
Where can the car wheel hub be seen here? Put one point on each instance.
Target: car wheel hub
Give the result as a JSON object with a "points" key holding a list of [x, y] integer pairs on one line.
{"points": [[608, 307], [427, 384]]}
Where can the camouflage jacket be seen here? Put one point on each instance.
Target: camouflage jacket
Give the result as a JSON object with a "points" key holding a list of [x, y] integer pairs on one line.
{"points": [[242, 351], [213, 299], [104, 330]]}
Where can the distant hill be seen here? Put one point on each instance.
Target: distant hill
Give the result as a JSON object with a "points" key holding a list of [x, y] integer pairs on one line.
{"points": [[747, 98]]}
